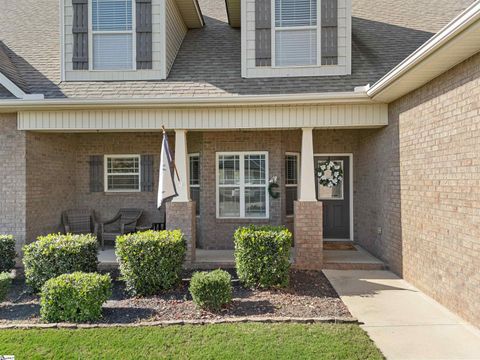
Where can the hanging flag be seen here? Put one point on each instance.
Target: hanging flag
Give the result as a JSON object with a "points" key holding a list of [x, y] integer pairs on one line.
{"points": [[166, 185]]}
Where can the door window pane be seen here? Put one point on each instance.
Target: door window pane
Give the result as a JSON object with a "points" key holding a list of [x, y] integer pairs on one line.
{"points": [[229, 202]]}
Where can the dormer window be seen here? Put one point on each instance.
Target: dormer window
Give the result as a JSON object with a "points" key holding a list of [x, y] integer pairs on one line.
{"points": [[112, 35], [296, 32], [282, 38]]}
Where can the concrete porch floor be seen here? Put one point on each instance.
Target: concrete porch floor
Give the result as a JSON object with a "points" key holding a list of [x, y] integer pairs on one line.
{"points": [[211, 259]]}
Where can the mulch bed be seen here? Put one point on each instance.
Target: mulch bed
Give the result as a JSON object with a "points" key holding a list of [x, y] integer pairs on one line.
{"points": [[310, 295]]}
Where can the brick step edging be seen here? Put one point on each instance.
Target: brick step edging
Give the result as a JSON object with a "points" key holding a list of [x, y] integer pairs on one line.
{"points": [[269, 320]]}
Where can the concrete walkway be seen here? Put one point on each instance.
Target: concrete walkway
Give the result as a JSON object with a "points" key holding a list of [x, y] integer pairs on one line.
{"points": [[404, 322]]}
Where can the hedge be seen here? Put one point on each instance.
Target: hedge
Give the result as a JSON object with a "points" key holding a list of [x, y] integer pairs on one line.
{"points": [[7, 253], [150, 261], [262, 256], [56, 254], [5, 281], [76, 297], [211, 290]]}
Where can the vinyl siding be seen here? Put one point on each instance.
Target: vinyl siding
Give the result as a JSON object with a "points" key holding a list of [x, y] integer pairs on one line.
{"points": [[176, 30], [255, 117]]}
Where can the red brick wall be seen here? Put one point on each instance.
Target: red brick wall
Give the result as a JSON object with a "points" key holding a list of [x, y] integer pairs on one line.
{"points": [[423, 183]]}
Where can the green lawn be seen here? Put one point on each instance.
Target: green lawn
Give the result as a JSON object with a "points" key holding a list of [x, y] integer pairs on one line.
{"points": [[238, 341]]}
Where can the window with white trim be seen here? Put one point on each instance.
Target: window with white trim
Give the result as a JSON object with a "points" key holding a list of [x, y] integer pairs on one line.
{"points": [[113, 34], [194, 176], [295, 32], [292, 172], [122, 173], [242, 185]]}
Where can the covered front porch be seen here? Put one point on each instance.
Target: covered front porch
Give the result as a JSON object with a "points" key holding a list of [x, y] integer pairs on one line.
{"points": [[228, 178]]}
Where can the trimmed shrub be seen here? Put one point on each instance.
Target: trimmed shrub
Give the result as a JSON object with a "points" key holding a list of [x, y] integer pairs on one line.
{"points": [[5, 281], [211, 290], [262, 256], [76, 297], [150, 261], [7, 253], [56, 254]]}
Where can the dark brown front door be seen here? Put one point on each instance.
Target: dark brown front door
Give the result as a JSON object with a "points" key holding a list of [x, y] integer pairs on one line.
{"points": [[336, 201]]}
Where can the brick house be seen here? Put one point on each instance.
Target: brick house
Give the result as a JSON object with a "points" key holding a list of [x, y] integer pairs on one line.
{"points": [[253, 92]]}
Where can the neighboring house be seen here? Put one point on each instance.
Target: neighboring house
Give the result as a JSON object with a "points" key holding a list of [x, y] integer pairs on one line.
{"points": [[251, 90]]}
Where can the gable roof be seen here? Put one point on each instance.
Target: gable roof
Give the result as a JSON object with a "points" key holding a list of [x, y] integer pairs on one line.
{"points": [[384, 32]]}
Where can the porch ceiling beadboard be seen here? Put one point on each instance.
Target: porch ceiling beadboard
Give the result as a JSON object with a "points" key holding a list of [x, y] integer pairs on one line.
{"points": [[256, 117]]}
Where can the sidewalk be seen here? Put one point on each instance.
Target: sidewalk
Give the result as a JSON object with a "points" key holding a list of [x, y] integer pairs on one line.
{"points": [[404, 322]]}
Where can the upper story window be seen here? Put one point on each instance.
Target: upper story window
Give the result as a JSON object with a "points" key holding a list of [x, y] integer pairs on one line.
{"points": [[113, 35], [296, 32]]}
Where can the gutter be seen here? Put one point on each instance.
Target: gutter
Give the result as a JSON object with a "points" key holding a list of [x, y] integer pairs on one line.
{"points": [[356, 97], [447, 33]]}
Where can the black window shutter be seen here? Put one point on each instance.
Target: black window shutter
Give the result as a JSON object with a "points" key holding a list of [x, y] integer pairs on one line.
{"points": [[144, 34], [96, 173], [80, 34], [329, 32], [146, 180], [263, 34]]}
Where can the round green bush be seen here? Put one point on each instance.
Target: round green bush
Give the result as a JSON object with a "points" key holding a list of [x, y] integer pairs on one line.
{"points": [[56, 254], [262, 256], [7, 253], [211, 290], [5, 281], [150, 261], [76, 297]]}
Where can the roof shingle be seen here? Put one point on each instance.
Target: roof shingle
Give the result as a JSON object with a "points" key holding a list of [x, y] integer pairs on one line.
{"points": [[384, 32]]}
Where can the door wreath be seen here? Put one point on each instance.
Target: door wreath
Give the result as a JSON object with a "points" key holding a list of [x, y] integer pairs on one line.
{"points": [[329, 174]]}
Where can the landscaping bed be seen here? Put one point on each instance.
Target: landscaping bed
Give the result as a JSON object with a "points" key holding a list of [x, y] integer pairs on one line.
{"points": [[309, 295]]}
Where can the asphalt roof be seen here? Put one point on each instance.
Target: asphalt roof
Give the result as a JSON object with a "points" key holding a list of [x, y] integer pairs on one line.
{"points": [[384, 32]]}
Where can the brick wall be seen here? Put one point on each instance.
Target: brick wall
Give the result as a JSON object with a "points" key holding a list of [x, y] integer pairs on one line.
{"points": [[12, 179], [426, 172], [50, 181]]}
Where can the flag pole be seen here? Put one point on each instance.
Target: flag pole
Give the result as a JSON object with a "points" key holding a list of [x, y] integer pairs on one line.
{"points": [[173, 161]]}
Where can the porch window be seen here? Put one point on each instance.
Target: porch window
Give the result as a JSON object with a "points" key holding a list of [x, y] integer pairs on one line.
{"points": [[112, 34], [194, 176], [296, 32], [242, 183], [122, 173], [292, 167]]}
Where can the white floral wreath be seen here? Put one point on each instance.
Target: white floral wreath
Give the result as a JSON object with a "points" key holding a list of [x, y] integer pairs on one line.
{"points": [[329, 174]]}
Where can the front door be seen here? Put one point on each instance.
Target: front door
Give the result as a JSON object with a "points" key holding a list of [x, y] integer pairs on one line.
{"points": [[336, 200]]}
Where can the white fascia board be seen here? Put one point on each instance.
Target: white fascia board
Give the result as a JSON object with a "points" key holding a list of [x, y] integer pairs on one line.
{"points": [[462, 22], [358, 97], [16, 91]]}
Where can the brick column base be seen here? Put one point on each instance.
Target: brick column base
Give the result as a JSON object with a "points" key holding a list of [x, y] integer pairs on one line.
{"points": [[308, 234], [181, 216]]}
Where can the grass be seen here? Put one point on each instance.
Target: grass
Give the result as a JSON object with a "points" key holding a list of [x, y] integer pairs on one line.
{"points": [[237, 341]]}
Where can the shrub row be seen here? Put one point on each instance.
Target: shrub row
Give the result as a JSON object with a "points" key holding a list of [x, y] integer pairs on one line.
{"points": [[76, 297], [5, 281], [56, 254], [262, 256], [7, 253], [150, 261]]}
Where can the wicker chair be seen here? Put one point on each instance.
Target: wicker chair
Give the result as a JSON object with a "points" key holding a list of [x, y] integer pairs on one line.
{"points": [[80, 221], [124, 222]]}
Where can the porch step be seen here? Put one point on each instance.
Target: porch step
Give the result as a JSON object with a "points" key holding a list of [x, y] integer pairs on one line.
{"points": [[358, 259]]}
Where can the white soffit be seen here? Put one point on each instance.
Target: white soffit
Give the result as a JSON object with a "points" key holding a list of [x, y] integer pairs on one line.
{"points": [[233, 12], [456, 42]]}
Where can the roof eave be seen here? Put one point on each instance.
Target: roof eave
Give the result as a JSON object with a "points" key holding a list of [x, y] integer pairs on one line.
{"points": [[455, 43]]}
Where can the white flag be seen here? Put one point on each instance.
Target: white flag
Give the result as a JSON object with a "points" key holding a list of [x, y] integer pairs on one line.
{"points": [[166, 186]]}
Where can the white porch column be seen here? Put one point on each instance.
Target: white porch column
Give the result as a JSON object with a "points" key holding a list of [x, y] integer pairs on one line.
{"points": [[181, 162], [307, 170]]}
